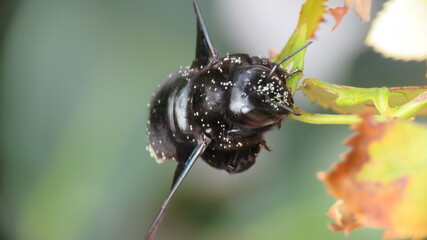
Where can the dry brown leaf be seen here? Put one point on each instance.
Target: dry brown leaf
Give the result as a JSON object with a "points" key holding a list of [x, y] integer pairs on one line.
{"points": [[381, 183]]}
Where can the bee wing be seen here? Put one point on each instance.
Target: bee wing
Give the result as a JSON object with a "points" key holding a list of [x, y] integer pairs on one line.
{"points": [[179, 176], [205, 51]]}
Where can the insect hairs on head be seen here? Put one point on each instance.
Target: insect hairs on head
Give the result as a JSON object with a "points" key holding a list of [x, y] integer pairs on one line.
{"points": [[219, 109]]}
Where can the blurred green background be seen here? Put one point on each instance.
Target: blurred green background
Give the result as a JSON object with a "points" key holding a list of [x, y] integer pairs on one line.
{"points": [[76, 77]]}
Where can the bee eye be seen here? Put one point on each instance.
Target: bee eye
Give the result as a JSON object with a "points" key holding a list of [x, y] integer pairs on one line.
{"points": [[257, 118]]}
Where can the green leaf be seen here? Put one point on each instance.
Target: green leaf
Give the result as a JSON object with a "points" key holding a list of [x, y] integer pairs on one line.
{"points": [[310, 17], [398, 102], [312, 14], [297, 40]]}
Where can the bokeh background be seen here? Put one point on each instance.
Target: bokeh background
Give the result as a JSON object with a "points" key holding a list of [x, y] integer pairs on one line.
{"points": [[76, 77]]}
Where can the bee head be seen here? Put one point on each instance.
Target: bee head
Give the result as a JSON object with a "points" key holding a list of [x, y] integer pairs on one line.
{"points": [[259, 98]]}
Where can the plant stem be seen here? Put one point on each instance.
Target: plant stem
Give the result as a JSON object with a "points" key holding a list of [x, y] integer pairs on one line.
{"points": [[412, 107], [316, 118]]}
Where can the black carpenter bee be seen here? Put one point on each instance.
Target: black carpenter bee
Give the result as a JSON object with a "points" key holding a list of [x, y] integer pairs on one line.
{"points": [[218, 108]]}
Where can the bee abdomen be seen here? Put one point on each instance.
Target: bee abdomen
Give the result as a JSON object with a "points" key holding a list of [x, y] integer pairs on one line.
{"points": [[165, 126]]}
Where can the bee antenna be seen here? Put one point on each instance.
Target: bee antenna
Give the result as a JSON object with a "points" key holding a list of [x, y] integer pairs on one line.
{"points": [[289, 109], [287, 57]]}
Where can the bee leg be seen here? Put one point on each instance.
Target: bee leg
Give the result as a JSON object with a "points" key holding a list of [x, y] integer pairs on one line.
{"points": [[264, 144], [291, 73]]}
